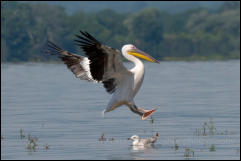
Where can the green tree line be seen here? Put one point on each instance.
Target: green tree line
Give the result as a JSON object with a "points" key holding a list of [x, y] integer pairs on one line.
{"points": [[197, 34]]}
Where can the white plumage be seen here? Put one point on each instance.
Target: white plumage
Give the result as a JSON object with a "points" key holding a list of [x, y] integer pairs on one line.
{"points": [[104, 64], [143, 142]]}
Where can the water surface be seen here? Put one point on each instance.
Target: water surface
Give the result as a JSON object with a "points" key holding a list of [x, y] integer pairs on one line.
{"points": [[47, 101]]}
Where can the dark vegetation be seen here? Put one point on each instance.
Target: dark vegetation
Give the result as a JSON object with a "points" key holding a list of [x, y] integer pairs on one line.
{"points": [[196, 34]]}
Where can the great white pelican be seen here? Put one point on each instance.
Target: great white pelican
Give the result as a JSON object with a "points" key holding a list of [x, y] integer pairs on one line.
{"points": [[104, 64]]}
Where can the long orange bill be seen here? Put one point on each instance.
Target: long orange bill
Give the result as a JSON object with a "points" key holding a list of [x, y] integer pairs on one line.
{"points": [[143, 55]]}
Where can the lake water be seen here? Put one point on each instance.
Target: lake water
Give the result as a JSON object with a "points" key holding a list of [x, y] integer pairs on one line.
{"points": [[46, 101]]}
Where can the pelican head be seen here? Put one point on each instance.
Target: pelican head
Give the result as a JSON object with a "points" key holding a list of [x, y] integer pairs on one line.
{"points": [[130, 49], [134, 138]]}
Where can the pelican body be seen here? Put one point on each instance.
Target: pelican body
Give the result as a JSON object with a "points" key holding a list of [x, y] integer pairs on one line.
{"points": [[103, 64]]}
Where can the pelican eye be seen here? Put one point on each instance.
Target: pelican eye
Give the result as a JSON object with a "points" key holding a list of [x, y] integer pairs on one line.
{"points": [[133, 47]]}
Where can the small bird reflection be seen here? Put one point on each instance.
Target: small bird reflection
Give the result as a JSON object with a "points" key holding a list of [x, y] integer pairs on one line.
{"points": [[142, 152], [143, 148]]}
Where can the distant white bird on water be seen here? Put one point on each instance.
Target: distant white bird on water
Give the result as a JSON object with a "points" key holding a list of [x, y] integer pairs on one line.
{"points": [[103, 64], [143, 142]]}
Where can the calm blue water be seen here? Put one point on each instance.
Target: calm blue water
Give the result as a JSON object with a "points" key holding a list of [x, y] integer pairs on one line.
{"points": [[47, 101]]}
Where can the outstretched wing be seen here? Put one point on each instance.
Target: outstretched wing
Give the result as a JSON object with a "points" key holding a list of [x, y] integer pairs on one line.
{"points": [[102, 64], [79, 65], [105, 62]]}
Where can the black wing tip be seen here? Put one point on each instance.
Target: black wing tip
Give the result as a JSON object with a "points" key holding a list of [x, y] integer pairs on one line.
{"points": [[83, 32], [87, 37], [51, 48]]}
